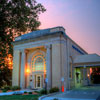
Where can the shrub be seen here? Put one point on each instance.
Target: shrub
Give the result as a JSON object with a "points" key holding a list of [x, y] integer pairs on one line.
{"points": [[36, 91], [54, 89], [30, 93], [25, 91], [7, 88], [43, 91], [55, 99], [4, 90], [15, 88]]}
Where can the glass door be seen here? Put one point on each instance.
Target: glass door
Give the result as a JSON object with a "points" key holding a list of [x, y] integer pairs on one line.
{"points": [[38, 81]]}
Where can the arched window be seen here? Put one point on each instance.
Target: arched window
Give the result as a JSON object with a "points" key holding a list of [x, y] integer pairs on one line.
{"points": [[39, 64]]}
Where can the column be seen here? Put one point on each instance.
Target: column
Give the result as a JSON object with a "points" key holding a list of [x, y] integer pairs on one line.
{"points": [[22, 74], [84, 75], [48, 67], [16, 64]]}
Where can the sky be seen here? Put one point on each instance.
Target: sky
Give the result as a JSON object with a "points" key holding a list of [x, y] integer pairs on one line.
{"points": [[80, 18]]}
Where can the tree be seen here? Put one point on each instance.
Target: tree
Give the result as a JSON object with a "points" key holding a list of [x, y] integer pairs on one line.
{"points": [[17, 17]]}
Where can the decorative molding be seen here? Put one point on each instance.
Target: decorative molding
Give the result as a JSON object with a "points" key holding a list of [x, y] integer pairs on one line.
{"points": [[39, 43], [32, 55], [47, 46], [57, 29]]}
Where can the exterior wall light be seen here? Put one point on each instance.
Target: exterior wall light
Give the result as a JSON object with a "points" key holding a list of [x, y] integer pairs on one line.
{"points": [[28, 71], [88, 75]]}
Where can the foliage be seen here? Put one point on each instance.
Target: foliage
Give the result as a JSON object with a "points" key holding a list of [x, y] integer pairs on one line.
{"points": [[30, 93], [55, 99], [95, 75], [36, 91], [43, 91], [25, 91], [15, 88], [17, 17], [54, 89], [4, 90], [7, 87], [5, 76]]}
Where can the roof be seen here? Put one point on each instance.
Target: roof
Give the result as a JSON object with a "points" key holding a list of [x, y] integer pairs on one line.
{"points": [[40, 33], [89, 58]]}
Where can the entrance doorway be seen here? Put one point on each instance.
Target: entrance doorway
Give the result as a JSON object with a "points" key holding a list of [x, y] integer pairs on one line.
{"points": [[78, 77], [38, 70], [38, 81]]}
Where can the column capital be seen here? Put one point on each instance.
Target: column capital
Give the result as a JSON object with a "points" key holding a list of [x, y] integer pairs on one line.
{"points": [[26, 51], [23, 51], [47, 46]]}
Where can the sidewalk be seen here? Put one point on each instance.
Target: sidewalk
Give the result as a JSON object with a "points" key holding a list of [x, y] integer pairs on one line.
{"points": [[15, 92]]}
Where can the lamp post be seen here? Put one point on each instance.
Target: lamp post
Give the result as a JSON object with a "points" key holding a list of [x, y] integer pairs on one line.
{"points": [[46, 81]]}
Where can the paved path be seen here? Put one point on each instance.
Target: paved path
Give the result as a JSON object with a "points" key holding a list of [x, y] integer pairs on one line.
{"points": [[15, 92], [89, 93]]}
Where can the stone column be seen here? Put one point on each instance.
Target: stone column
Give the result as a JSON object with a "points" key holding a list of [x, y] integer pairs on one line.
{"points": [[16, 68], [48, 67], [22, 74]]}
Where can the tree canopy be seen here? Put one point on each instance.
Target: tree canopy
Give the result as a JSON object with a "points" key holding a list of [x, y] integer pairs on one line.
{"points": [[17, 17]]}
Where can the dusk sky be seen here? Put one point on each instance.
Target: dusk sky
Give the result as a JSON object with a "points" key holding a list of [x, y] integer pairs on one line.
{"points": [[80, 18]]}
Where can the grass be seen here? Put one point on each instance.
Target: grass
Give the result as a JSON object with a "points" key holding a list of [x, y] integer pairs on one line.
{"points": [[20, 97]]}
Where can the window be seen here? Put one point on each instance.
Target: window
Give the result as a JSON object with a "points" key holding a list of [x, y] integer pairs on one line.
{"points": [[39, 64]]}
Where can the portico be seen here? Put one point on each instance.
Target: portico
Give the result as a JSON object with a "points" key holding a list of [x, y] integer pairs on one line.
{"points": [[85, 66]]}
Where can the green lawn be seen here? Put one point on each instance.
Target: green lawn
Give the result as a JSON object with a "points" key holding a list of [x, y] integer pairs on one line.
{"points": [[20, 97]]}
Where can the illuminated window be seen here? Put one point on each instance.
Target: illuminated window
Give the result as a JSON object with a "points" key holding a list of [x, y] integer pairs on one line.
{"points": [[39, 65]]}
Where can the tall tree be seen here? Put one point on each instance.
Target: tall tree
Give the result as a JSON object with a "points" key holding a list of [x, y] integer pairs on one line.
{"points": [[17, 17]]}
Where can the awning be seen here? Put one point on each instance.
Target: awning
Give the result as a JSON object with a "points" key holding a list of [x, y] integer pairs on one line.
{"points": [[89, 60]]}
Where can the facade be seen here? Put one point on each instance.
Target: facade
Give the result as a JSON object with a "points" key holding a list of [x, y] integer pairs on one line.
{"points": [[49, 56]]}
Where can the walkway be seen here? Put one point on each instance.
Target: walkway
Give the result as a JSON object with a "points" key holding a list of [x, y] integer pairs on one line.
{"points": [[85, 93], [15, 92]]}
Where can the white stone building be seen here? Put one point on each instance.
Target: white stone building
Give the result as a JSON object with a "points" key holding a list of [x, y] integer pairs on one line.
{"points": [[50, 55]]}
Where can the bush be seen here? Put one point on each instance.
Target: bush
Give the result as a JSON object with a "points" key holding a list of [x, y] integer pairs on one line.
{"points": [[36, 91], [7, 88], [4, 90], [54, 89], [30, 93], [25, 91], [15, 88], [43, 91], [55, 99]]}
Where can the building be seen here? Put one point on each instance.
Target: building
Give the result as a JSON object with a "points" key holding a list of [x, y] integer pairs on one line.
{"points": [[50, 56]]}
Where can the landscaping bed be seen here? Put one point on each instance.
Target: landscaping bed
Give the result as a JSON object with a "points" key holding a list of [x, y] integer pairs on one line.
{"points": [[16, 94]]}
